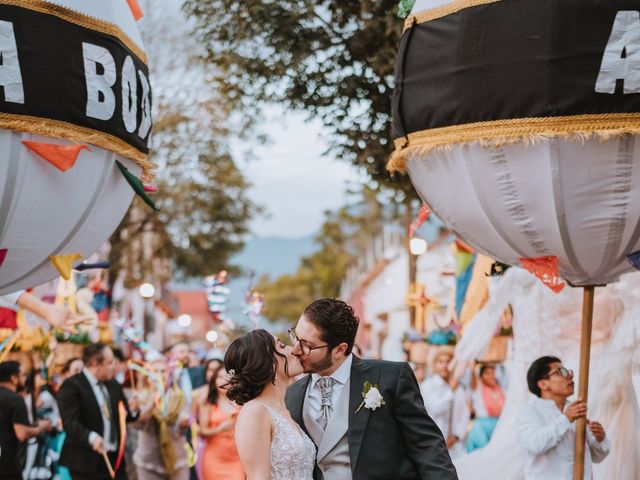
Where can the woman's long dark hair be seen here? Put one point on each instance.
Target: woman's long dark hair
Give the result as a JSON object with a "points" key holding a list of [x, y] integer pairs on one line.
{"points": [[214, 392], [252, 364]]}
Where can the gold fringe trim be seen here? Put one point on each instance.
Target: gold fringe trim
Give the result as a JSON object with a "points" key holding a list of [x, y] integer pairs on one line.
{"points": [[75, 133], [79, 19], [525, 131], [443, 11]]}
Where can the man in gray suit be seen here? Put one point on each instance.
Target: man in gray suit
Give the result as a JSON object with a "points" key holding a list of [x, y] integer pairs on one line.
{"points": [[388, 434]]}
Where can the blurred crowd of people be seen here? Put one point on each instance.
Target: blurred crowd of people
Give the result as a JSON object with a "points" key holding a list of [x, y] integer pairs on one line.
{"points": [[466, 410], [166, 417]]}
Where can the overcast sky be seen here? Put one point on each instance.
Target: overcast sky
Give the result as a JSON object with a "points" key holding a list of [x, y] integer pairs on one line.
{"points": [[293, 180]]}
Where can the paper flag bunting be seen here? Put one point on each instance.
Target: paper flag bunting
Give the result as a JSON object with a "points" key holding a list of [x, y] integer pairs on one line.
{"points": [[423, 215], [63, 157], [150, 188], [137, 185], [64, 263], [135, 9], [546, 269], [3, 255], [633, 259]]}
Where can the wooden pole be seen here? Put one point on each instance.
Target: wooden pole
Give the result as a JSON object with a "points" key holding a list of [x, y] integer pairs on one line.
{"points": [[583, 385]]}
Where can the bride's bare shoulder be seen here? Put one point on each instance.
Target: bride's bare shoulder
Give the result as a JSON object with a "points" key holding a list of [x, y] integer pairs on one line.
{"points": [[254, 410]]}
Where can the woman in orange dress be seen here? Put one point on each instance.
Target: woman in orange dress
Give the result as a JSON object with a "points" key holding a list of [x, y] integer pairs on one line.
{"points": [[217, 424]]}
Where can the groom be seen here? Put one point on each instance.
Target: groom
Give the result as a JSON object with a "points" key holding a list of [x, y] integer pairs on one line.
{"points": [[390, 436]]}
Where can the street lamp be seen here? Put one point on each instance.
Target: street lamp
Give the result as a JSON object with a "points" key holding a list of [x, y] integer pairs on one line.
{"points": [[147, 291], [212, 336], [418, 246], [184, 320]]}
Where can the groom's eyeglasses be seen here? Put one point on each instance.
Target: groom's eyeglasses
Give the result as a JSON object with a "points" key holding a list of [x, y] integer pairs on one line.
{"points": [[304, 346]]}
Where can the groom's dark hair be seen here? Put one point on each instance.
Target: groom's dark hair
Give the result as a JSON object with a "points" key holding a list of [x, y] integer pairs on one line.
{"points": [[336, 321]]}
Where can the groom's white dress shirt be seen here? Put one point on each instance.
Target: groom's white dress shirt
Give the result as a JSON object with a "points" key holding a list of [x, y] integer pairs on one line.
{"points": [[547, 439], [314, 396]]}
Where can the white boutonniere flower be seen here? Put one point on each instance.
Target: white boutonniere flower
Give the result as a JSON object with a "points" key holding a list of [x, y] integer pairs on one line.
{"points": [[372, 398]]}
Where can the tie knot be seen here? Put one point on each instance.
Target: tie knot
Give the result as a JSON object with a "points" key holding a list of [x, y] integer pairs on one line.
{"points": [[325, 383]]}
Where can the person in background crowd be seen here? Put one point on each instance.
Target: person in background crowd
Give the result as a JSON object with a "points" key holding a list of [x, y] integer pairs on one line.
{"points": [[14, 421], [121, 366], [88, 405], [487, 399], [71, 367], [160, 453], [180, 353], [447, 406], [546, 426], [200, 396], [41, 453], [420, 371], [217, 424]]}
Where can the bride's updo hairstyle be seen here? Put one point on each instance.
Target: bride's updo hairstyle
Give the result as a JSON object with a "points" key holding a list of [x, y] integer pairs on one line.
{"points": [[251, 364]]}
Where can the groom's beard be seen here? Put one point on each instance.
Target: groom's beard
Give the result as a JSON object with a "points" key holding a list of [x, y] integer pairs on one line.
{"points": [[319, 366]]}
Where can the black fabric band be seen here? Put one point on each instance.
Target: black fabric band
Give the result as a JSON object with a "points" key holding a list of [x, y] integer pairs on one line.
{"points": [[507, 60], [52, 62]]}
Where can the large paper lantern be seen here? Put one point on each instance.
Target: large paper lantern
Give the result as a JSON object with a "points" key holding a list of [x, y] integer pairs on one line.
{"points": [[75, 101], [516, 121]]}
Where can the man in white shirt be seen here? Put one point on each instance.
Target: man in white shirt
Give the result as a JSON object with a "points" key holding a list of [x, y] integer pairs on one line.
{"points": [[546, 426], [448, 407]]}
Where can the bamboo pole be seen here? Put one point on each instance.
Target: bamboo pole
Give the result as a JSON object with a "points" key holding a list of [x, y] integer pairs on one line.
{"points": [[583, 385]]}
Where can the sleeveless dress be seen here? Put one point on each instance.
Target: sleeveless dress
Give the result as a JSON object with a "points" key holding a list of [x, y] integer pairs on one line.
{"points": [[293, 453], [220, 458]]}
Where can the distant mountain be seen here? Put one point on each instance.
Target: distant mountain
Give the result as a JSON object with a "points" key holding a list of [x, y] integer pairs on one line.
{"points": [[273, 256]]}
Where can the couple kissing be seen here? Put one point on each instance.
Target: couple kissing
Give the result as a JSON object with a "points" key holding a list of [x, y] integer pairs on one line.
{"points": [[345, 418]]}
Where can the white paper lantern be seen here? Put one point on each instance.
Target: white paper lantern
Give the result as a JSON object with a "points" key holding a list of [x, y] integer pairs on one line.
{"points": [[564, 183], [47, 212]]}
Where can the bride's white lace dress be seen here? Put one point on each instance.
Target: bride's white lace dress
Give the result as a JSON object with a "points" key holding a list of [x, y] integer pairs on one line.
{"points": [[293, 453]]}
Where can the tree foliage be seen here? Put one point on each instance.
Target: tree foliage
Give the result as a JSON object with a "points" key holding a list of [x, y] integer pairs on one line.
{"points": [[331, 58], [201, 192]]}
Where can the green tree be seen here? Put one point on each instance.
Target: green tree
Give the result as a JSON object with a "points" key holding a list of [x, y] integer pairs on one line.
{"points": [[331, 58], [202, 193]]}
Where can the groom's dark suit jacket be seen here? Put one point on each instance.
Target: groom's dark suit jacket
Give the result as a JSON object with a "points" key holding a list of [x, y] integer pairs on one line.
{"points": [[398, 441]]}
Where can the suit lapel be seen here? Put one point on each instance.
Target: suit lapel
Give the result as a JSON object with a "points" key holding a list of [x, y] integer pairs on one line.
{"points": [[361, 372], [95, 406], [296, 394]]}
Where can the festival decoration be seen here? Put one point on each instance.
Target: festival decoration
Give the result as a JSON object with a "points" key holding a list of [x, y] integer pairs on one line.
{"points": [[517, 123], [423, 215], [122, 424], [64, 263], [217, 294], [69, 110]]}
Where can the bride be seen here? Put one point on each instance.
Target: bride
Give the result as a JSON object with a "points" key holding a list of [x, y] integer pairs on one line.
{"points": [[271, 445]]}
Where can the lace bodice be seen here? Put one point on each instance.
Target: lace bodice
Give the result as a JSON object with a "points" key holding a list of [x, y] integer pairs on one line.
{"points": [[293, 453]]}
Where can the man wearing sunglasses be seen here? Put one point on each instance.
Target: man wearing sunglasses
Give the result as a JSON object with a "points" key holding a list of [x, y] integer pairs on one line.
{"points": [[366, 417], [546, 426]]}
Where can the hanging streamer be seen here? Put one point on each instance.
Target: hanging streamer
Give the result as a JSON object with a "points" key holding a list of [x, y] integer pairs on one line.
{"points": [[3, 255], [137, 185], [546, 269], [7, 345], [135, 9], [423, 215], [122, 422]]}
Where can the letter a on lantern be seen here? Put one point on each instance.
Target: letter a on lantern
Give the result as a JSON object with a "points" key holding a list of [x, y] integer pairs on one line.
{"points": [[621, 60]]}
